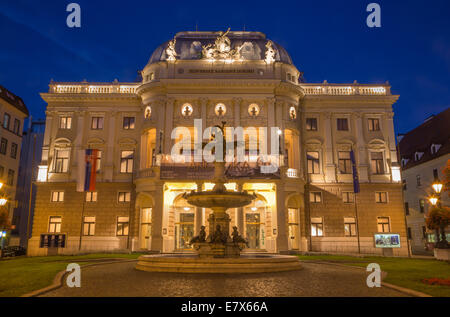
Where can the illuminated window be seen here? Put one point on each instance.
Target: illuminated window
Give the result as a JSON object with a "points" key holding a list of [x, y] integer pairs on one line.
{"points": [[65, 122], [313, 162], [99, 161], [317, 227], [220, 109], [122, 226], [315, 197], [124, 197], [345, 165], [57, 196], [376, 163], [89, 226], [97, 123], [422, 205], [10, 179], [349, 226], [126, 161], [61, 161], [128, 123], [253, 110], [342, 124], [311, 124], [91, 196], [54, 225], [383, 224], [186, 110], [348, 197], [381, 197], [374, 124]]}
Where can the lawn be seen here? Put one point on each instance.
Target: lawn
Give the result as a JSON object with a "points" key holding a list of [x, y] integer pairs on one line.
{"points": [[22, 275], [405, 272]]}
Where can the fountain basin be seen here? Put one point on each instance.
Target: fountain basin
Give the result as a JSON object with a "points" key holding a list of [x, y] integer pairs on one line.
{"points": [[215, 200], [178, 263]]}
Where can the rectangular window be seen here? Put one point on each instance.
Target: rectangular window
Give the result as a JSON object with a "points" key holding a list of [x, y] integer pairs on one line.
{"points": [[418, 181], [409, 233], [435, 173], [89, 226], [122, 226], [405, 187], [381, 197], [350, 226], [317, 227], [128, 123], [124, 197], [383, 224], [54, 225], [407, 208], [10, 180], [97, 123], [342, 124], [126, 161], [3, 146], [99, 161], [422, 205], [313, 162], [348, 197], [374, 125], [91, 197], [2, 171], [65, 122], [13, 150], [315, 197], [424, 232], [376, 162], [16, 126], [345, 165], [61, 161], [6, 120], [311, 124], [57, 196]]}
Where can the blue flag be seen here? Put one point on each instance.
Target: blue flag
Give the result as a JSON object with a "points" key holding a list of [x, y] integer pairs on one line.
{"points": [[355, 173]]}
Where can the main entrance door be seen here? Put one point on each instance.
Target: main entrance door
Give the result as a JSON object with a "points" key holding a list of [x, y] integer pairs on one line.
{"points": [[184, 230], [255, 224]]}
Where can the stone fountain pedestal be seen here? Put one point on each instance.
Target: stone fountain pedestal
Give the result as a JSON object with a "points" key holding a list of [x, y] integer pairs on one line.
{"points": [[218, 250]]}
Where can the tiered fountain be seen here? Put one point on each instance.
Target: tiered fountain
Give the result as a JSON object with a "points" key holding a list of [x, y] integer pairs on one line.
{"points": [[218, 253]]}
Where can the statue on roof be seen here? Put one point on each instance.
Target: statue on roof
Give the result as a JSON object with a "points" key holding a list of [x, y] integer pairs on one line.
{"points": [[171, 54]]}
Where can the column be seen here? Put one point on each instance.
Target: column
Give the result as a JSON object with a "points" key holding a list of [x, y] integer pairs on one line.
{"points": [[203, 104], [237, 111], [168, 125], [270, 120], [77, 154], [157, 219], [361, 158], [240, 214], [198, 213], [160, 113], [329, 166], [109, 166], [281, 238], [47, 135]]}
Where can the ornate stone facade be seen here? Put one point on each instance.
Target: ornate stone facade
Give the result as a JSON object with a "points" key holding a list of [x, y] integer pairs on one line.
{"points": [[249, 92]]}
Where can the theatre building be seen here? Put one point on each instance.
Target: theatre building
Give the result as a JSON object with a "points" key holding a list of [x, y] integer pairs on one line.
{"points": [[244, 80]]}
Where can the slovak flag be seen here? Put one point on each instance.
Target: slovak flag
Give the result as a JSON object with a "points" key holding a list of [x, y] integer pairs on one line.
{"points": [[355, 173], [90, 170]]}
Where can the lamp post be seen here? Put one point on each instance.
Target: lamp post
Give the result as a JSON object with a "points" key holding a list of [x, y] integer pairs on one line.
{"points": [[435, 200], [3, 201]]}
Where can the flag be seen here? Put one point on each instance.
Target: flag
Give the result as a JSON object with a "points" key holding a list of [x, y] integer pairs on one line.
{"points": [[90, 170], [355, 173]]}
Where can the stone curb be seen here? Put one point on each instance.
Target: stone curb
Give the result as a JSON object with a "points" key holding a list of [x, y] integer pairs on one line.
{"points": [[404, 290], [59, 278]]}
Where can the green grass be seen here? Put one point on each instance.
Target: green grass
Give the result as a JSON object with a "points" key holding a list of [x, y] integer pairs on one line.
{"points": [[22, 275], [405, 272]]}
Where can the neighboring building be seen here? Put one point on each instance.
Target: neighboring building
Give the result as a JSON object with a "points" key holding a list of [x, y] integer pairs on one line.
{"points": [[29, 161], [245, 80], [424, 152], [12, 114]]}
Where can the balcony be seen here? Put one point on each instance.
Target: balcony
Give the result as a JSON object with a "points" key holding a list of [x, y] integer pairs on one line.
{"points": [[346, 89], [93, 88]]}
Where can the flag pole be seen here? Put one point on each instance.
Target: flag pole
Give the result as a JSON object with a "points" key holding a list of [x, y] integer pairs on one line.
{"points": [[357, 223], [356, 190]]}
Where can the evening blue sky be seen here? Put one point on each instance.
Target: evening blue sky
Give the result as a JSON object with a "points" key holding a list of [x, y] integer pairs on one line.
{"points": [[327, 40]]}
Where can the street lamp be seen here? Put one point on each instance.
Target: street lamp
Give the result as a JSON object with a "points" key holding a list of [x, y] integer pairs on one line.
{"points": [[433, 200], [437, 186]]}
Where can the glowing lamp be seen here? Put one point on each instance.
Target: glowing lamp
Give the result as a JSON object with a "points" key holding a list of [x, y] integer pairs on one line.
{"points": [[3, 201], [437, 186], [433, 200]]}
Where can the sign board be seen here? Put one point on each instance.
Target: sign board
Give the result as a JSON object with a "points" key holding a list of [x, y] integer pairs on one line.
{"points": [[387, 240]]}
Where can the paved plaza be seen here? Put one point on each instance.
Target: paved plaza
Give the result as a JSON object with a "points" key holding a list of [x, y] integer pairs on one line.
{"points": [[315, 279]]}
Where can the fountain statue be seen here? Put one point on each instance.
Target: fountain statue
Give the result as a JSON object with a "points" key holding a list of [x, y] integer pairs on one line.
{"points": [[219, 244]]}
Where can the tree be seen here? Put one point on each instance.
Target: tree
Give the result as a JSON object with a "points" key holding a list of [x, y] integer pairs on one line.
{"points": [[438, 219], [446, 172]]}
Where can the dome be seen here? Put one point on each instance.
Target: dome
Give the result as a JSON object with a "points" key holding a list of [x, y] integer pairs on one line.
{"points": [[251, 45]]}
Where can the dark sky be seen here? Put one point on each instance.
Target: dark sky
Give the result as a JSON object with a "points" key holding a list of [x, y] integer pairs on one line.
{"points": [[326, 40]]}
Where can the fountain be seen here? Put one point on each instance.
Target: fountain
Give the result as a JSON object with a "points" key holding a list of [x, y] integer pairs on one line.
{"points": [[218, 253]]}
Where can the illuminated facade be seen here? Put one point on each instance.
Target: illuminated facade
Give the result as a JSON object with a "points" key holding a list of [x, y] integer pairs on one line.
{"points": [[242, 79]]}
